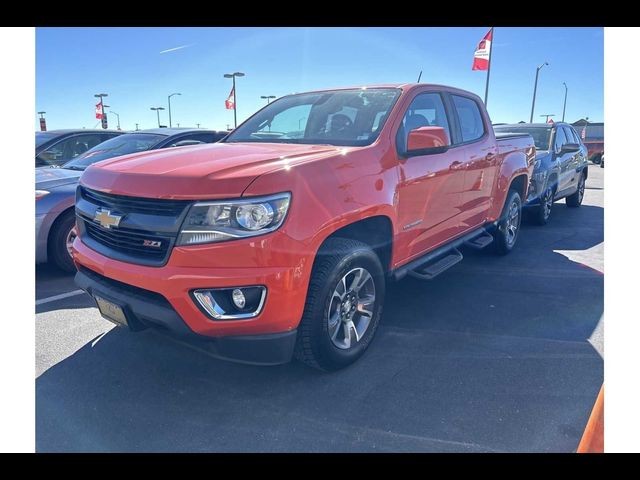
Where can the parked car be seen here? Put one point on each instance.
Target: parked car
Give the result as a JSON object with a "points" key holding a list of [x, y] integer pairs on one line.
{"points": [[56, 187], [278, 240], [602, 160], [55, 147], [561, 168]]}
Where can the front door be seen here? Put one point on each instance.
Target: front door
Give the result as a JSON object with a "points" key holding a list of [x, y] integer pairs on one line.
{"points": [[428, 196]]}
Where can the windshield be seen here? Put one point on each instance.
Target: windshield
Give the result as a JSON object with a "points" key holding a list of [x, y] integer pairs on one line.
{"points": [[541, 135], [340, 117], [120, 145], [42, 137]]}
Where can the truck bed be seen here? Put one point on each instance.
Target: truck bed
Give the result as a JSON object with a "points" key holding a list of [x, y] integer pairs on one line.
{"points": [[509, 142]]}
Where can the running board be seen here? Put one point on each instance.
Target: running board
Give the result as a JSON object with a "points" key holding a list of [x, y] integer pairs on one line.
{"points": [[415, 265], [480, 242], [434, 268]]}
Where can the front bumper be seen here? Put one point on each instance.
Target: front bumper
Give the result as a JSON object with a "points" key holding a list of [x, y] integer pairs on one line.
{"points": [[144, 309], [267, 261]]}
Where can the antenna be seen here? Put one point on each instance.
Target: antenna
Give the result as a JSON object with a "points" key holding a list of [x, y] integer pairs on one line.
{"points": [[419, 77]]}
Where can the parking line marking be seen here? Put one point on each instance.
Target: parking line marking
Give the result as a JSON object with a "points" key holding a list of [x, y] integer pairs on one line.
{"points": [[59, 297]]}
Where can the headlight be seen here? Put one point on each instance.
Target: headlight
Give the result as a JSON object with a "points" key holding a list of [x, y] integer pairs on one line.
{"points": [[209, 222], [40, 194]]}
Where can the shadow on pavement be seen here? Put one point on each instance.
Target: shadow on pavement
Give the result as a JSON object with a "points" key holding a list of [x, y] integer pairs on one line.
{"points": [[490, 356]]}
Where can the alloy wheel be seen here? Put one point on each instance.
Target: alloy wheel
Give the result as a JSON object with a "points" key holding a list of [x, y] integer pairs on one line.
{"points": [[513, 223], [351, 309], [71, 236]]}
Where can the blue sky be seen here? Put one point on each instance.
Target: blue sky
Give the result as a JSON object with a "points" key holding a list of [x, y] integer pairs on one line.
{"points": [[72, 64]]}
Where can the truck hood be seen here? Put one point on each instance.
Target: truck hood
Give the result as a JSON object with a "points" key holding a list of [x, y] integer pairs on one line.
{"points": [[49, 178], [219, 170]]}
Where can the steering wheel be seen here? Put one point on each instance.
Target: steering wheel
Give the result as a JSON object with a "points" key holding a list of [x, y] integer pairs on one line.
{"points": [[340, 123]]}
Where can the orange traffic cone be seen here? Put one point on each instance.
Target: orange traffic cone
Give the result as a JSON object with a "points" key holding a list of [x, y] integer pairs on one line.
{"points": [[593, 437]]}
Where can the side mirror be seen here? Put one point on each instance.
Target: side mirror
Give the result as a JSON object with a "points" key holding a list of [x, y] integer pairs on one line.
{"points": [[570, 148], [426, 141]]}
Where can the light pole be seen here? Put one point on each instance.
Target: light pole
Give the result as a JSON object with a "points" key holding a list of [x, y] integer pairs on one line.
{"points": [[137, 127], [157, 109], [104, 115], [564, 107], [197, 125], [547, 115], [233, 76], [117, 115], [169, 99], [535, 88], [268, 98]]}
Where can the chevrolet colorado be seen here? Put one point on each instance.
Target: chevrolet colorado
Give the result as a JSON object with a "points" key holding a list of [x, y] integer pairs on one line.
{"points": [[277, 242]]}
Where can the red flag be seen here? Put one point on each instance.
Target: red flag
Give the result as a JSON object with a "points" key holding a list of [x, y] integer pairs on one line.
{"points": [[99, 111], [481, 55], [230, 102], [583, 134]]}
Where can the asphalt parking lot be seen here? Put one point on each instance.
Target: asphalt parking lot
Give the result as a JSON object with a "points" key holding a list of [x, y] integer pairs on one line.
{"points": [[497, 354]]}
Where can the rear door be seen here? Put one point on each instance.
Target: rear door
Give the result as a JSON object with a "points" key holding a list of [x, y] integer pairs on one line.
{"points": [[481, 160]]}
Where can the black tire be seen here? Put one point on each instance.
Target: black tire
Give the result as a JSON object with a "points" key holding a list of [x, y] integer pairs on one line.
{"points": [[57, 246], [575, 200], [336, 258], [503, 241], [540, 214]]}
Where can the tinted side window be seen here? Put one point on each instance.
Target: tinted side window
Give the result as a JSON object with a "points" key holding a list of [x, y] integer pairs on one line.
{"points": [[426, 110], [571, 135], [69, 148], [561, 139], [471, 124]]}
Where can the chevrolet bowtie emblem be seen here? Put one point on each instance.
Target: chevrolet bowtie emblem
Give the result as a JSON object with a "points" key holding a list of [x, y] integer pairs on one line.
{"points": [[106, 218]]}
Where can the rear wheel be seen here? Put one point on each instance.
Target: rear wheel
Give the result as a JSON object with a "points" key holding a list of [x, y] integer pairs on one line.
{"points": [[575, 200], [344, 305], [60, 241], [506, 233]]}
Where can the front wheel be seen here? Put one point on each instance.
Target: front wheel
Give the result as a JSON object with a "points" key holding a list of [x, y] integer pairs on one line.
{"points": [[344, 305], [542, 212], [60, 240], [506, 233], [575, 200]]}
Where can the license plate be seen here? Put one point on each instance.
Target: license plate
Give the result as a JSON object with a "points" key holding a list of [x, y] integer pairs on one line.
{"points": [[111, 311]]}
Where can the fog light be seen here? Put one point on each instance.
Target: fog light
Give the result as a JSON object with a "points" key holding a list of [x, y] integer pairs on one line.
{"points": [[238, 298], [235, 303]]}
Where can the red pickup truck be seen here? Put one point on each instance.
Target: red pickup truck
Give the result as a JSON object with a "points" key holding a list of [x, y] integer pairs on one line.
{"points": [[278, 240]]}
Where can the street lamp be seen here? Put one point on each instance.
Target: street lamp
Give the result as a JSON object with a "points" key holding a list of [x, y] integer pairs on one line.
{"points": [[104, 115], [547, 115], [535, 88], [235, 96], [117, 115], [169, 99], [268, 98], [564, 107], [157, 109], [137, 127]]}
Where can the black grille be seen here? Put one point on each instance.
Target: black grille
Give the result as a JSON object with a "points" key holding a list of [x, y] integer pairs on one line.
{"points": [[123, 203], [130, 242]]}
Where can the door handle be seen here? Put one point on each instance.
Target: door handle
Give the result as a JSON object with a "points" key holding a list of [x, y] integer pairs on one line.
{"points": [[456, 165], [490, 156]]}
